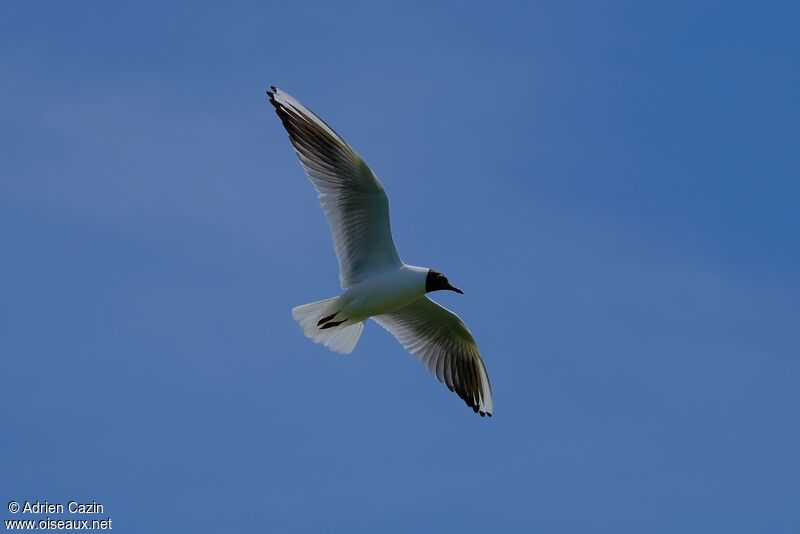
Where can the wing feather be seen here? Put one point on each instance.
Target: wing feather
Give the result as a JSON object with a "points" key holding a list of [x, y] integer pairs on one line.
{"points": [[442, 342], [351, 196]]}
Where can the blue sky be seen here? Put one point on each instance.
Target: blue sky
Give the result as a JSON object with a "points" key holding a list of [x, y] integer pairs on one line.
{"points": [[614, 185]]}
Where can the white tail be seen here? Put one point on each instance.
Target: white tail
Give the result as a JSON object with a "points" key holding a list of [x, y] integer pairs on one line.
{"points": [[341, 339]]}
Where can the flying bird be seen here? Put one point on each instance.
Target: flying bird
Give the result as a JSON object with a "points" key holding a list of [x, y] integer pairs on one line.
{"points": [[376, 283]]}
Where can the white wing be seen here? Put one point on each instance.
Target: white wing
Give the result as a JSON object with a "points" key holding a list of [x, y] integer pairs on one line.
{"points": [[352, 198], [442, 342]]}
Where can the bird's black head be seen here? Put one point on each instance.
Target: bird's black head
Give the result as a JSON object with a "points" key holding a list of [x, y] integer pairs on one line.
{"points": [[436, 281]]}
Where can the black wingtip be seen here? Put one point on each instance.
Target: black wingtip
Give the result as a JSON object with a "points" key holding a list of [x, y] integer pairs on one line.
{"points": [[273, 101]]}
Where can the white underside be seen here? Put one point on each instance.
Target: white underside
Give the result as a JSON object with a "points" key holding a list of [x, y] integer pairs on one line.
{"points": [[341, 339], [383, 293]]}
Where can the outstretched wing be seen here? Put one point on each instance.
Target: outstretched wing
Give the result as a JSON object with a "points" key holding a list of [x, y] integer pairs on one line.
{"points": [[442, 342], [352, 198]]}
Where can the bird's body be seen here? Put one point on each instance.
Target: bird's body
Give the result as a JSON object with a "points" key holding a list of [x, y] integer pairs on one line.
{"points": [[377, 284], [383, 293]]}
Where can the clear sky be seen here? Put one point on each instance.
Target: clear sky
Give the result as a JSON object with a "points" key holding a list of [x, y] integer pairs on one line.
{"points": [[613, 184]]}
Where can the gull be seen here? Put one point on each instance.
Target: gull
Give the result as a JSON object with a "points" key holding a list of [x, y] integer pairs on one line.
{"points": [[376, 283]]}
